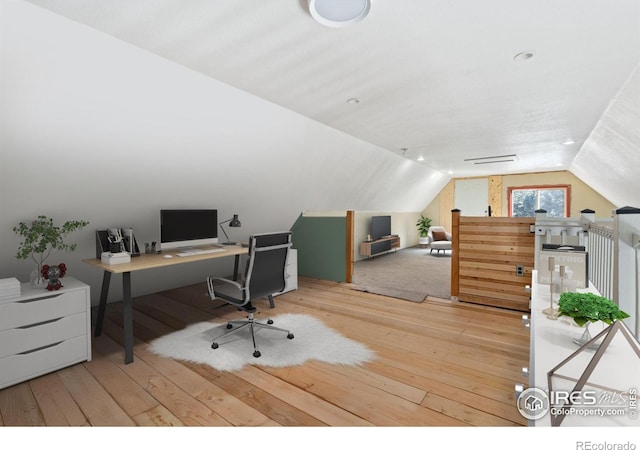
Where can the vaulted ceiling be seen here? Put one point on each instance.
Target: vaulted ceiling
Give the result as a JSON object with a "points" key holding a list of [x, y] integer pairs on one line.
{"points": [[465, 87]]}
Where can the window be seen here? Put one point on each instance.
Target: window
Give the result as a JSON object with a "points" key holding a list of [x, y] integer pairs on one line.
{"points": [[525, 200]]}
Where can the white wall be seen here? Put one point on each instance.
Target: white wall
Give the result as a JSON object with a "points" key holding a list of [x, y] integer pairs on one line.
{"points": [[609, 159], [93, 128]]}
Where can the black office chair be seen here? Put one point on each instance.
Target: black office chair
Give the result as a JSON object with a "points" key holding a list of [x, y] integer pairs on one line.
{"points": [[265, 275]]}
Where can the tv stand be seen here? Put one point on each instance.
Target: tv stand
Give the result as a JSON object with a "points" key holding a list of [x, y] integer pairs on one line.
{"points": [[379, 246]]}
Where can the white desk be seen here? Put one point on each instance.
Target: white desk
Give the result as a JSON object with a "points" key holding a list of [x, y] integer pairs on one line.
{"points": [[552, 342], [144, 262]]}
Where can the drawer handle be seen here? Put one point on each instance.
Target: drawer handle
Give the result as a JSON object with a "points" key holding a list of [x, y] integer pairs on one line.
{"points": [[39, 299], [39, 323], [40, 348]]}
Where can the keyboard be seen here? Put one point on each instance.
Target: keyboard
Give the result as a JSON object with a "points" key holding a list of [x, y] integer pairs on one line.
{"points": [[200, 252]]}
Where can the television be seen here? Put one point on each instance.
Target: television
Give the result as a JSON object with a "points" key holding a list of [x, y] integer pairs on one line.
{"points": [[184, 228], [380, 227]]}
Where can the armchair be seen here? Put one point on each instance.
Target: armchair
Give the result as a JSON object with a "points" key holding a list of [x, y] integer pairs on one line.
{"points": [[264, 275], [439, 239]]}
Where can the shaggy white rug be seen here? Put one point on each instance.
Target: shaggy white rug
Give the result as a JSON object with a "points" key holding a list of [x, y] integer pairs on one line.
{"points": [[313, 340]]}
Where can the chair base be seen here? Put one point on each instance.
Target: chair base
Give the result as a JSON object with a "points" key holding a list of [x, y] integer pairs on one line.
{"points": [[253, 327]]}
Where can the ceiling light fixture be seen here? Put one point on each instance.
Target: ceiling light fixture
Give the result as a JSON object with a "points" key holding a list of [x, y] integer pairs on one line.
{"points": [[523, 56], [420, 158], [353, 101], [339, 13], [569, 142]]}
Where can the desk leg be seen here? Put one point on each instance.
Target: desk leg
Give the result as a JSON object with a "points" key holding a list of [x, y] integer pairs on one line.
{"points": [[235, 268], [102, 306], [127, 317]]}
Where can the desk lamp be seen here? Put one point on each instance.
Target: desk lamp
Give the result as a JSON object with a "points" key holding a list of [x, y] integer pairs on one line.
{"points": [[233, 222]]}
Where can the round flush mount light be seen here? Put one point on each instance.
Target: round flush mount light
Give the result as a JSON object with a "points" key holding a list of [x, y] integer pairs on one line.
{"points": [[523, 56], [339, 13]]}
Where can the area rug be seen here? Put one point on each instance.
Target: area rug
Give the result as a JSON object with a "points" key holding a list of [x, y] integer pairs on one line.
{"points": [[412, 274], [313, 341]]}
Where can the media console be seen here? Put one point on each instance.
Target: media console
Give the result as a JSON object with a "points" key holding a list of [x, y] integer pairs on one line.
{"points": [[379, 246]]}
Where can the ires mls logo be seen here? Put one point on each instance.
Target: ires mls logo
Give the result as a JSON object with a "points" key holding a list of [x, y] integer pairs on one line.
{"points": [[573, 398], [534, 403]]}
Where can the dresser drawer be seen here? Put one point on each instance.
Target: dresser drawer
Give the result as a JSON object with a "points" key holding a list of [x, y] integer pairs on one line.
{"points": [[17, 368], [29, 338], [48, 307]]}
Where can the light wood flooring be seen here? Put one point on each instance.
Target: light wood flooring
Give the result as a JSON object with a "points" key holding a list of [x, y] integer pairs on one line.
{"points": [[438, 363]]}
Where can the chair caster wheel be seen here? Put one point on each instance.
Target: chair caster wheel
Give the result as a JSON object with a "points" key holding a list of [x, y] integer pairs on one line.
{"points": [[256, 354], [270, 322], [229, 326], [290, 336], [214, 346]]}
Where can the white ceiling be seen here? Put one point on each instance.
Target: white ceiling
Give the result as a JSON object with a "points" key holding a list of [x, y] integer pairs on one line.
{"points": [[437, 78]]}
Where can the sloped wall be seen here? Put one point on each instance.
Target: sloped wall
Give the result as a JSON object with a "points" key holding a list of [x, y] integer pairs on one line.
{"points": [[93, 128], [609, 161]]}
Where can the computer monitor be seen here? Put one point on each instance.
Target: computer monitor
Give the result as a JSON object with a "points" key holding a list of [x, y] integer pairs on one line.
{"points": [[183, 228]]}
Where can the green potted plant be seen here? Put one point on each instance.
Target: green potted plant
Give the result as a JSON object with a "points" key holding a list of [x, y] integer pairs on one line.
{"points": [[41, 238], [423, 224], [585, 308]]}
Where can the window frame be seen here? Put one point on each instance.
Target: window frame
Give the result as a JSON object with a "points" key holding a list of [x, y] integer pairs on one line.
{"points": [[538, 187]]}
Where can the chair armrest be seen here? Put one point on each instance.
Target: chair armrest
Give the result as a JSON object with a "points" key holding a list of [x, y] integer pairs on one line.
{"points": [[226, 281]]}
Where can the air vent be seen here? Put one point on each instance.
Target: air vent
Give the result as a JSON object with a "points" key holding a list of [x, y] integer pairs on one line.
{"points": [[492, 159]]}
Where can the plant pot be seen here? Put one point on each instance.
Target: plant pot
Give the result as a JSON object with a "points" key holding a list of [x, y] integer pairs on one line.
{"points": [[423, 241], [586, 337], [36, 277]]}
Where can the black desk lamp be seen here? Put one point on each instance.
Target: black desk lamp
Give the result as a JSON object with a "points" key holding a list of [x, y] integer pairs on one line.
{"points": [[233, 222]]}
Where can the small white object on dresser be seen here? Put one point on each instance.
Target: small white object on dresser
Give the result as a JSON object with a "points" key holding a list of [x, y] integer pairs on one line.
{"points": [[42, 331]]}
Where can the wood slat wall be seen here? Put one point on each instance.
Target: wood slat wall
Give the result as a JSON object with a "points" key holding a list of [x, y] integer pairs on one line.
{"points": [[486, 252]]}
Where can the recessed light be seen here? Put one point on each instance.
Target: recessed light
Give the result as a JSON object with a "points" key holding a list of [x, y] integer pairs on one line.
{"points": [[420, 158], [568, 142], [523, 56], [339, 13], [353, 101]]}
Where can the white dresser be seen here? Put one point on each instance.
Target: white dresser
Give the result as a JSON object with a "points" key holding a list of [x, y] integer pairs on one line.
{"points": [[42, 331]]}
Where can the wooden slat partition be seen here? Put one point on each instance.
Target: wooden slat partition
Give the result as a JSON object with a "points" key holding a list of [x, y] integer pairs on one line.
{"points": [[486, 254]]}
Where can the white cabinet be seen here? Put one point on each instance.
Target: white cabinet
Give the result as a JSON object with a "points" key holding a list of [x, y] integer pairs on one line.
{"points": [[42, 331], [291, 283]]}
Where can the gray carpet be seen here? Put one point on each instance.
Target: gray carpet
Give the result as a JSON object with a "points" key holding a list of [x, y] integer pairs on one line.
{"points": [[410, 274]]}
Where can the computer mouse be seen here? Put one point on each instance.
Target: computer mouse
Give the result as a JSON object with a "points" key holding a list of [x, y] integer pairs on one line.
{"points": [[168, 256]]}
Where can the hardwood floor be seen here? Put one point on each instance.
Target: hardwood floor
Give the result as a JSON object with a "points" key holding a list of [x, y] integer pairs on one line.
{"points": [[438, 364]]}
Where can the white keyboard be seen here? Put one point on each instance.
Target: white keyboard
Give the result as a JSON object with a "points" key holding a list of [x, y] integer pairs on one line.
{"points": [[200, 252]]}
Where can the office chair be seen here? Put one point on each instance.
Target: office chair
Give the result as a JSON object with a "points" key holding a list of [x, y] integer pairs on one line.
{"points": [[264, 275]]}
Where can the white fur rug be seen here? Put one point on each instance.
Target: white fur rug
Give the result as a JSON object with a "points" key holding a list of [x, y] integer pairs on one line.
{"points": [[313, 340]]}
